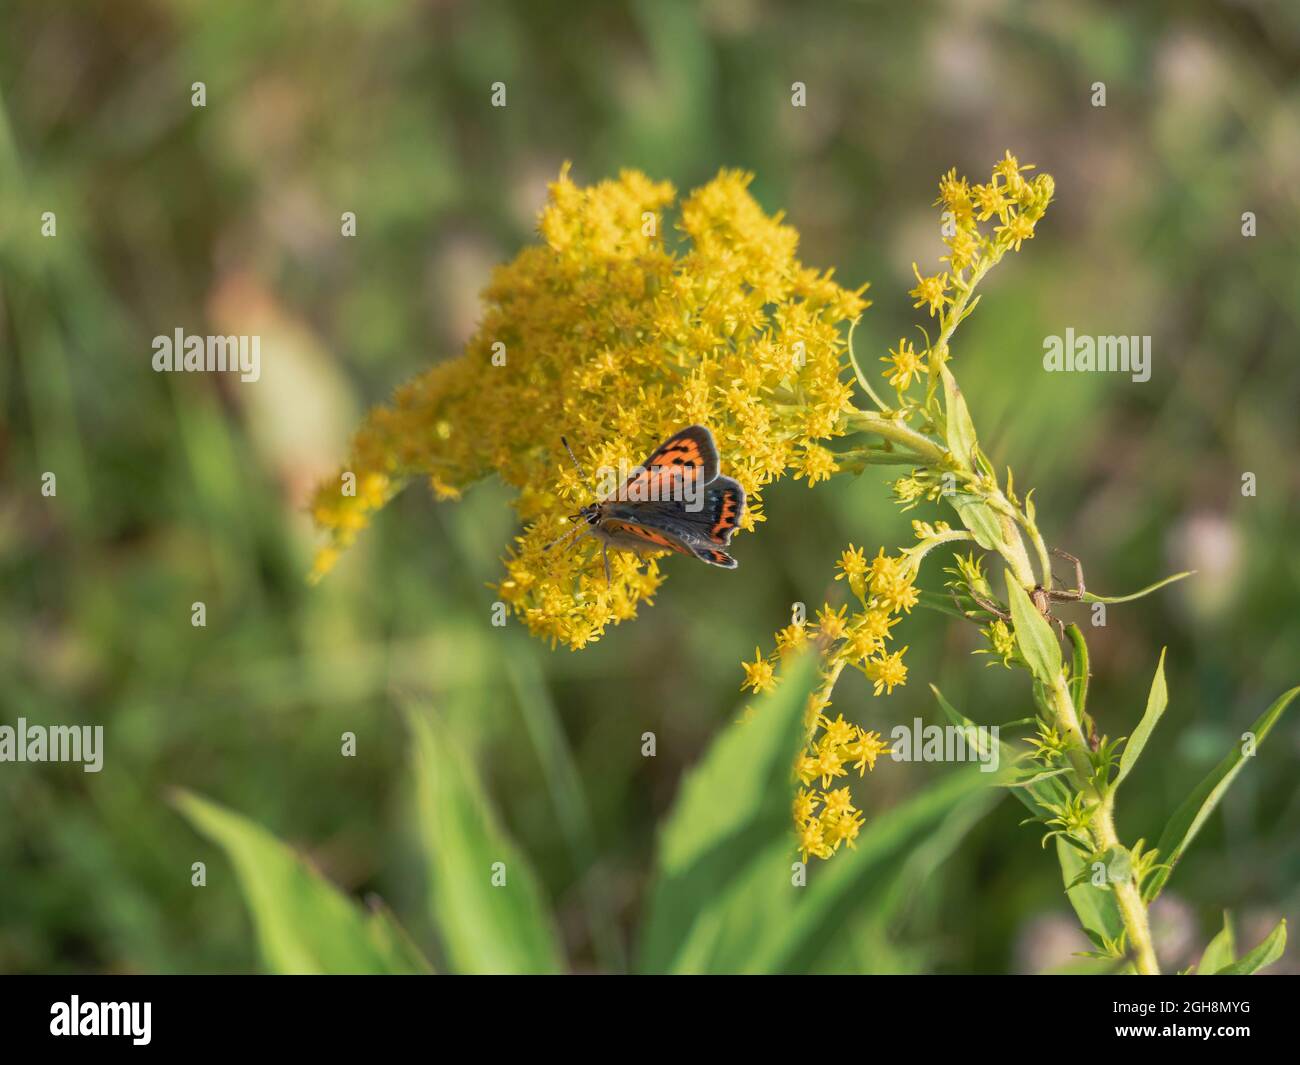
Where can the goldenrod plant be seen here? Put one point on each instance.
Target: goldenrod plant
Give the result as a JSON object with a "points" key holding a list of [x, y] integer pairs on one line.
{"points": [[625, 324]]}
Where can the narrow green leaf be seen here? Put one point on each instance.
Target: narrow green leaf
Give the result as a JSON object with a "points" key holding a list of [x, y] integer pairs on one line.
{"points": [[1034, 635], [484, 928], [304, 923], [1029, 779], [1089, 597], [1157, 700], [1192, 814], [1097, 909], [1079, 670], [979, 518], [961, 431], [866, 877], [940, 604], [857, 370], [1035, 795], [731, 810], [1265, 954], [1221, 952], [762, 922]]}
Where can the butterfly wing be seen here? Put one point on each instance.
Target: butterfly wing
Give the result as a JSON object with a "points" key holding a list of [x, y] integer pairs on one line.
{"points": [[667, 533], [712, 523], [624, 532], [724, 507], [688, 455], [692, 447]]}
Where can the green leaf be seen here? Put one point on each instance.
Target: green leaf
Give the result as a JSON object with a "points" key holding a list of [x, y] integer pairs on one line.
{"points": [[1089, 597], [1265, 954], [732, 812], [857, 370], [1030, 778], [979, 518], [870, 876], [1034, 635], [1079, 669], [1221, 952], [763, 923], [1035, 794], [1192, 814], [1119, 865], [1157, 700], [961, 431], [484, 928], [1098, 910], [304, 923]]}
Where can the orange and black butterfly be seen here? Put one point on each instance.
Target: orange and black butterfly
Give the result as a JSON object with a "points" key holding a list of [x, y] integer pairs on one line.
{"points": [[675, 500]]}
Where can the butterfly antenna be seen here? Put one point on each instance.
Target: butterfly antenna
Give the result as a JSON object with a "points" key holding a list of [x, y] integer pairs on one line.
{"points": [[576, 464], [572, 534]]}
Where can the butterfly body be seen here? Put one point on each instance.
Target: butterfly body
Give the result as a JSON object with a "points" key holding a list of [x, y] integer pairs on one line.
{"points": [[676, 500]]}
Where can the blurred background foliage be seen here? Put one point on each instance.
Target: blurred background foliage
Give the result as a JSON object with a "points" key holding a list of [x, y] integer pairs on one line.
{"points": [[185, 488]]}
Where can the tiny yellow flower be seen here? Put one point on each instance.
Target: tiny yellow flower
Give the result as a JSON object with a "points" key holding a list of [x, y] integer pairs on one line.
{"points": [[828, 763], [1018, 228], [816, 464], [790, 639], [759, 674], [932, 291], [1009, 170], [811, 841], [905, 365], [843, 829], [852, 564], [838, 803], [838, 732], [887, 672], [805, 805], [963, 250], [990, 200], [865, 750], [831, 623]]}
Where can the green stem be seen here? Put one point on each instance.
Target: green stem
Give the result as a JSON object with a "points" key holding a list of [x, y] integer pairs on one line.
{"points": [[895, 430], [1132, 909], [1016, 556], [1127, 895]]}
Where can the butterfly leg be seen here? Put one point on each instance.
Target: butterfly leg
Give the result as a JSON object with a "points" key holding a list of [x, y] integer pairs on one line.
{"points": [[604, 551]]}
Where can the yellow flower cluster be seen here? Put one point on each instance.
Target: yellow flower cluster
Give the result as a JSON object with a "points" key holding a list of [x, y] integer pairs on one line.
{"points": [[617, 330], [1016, 202], [883, 588]]}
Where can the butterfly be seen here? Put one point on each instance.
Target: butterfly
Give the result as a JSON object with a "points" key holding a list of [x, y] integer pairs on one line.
{"points": [[676, 500]]}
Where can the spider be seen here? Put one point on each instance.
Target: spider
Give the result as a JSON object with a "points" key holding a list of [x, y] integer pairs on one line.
{"points": [[1043, 598]]}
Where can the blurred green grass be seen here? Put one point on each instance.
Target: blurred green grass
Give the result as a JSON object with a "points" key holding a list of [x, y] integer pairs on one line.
{"points": [[172, 490]]}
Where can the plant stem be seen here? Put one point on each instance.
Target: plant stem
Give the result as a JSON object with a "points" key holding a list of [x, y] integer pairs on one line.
{"points": [[1128, 895], [895, 430]]}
